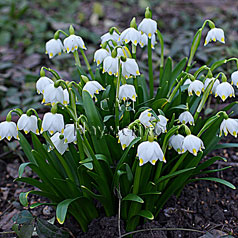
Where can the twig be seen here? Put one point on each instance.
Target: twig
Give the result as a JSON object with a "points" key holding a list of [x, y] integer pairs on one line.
{"points": [[119, 212], [162, 229]]}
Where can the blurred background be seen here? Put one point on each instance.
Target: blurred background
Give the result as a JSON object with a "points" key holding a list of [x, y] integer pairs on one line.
{"points": [[26, 25]]}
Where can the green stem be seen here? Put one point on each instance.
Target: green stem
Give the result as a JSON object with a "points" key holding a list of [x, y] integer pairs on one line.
{"points": [[87, 64], [151, 80], [133, 51], [76, 57], [161, 40], [117, 95]]}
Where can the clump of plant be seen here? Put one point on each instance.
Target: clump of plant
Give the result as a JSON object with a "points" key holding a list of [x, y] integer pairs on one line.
{"points": [[109, 138]]}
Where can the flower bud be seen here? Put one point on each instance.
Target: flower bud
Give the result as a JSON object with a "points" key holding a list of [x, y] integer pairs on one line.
{"points": [[133, 23], [148, 13], [71, 30], [84, 78], [42, 72]]}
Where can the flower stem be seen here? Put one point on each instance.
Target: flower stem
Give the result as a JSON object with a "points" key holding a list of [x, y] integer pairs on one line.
{"points": [[151, 80], [117, 96], [76, 57], [87, 64], [133, 51]]}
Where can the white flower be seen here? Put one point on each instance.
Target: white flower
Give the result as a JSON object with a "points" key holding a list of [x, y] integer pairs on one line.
{"points": [[126, 92], [208, 80], [196, 86], [66, 97], [73, 42], [193, 144], [8, 129], [54, 47], [59, 143], [106, 37], [224, 90], [52, 123], [123, 52], [187, 82], [234, 78], [28, 123], [42, 83], [229, 125], [126, 136], [144, 40], [176, 142], [148, 26], [214, 35], [186, 117], [149, 152], [130, 67], [53, 95], [100, 55], [70, 133], [145, 118], [160, 126], [93, 87], [130, 35], [110, 65]]}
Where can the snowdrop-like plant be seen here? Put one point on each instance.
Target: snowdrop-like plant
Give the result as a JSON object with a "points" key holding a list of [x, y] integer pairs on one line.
{"points": [[79, 159]]}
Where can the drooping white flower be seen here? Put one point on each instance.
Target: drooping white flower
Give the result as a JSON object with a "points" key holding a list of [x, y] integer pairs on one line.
{"points": [[123, 52], [130, 35], [93, 87], [193, 144], [52, 122], [53, 95], [186, 117], [176, 142], [100, 55], [110, 65], [126, 136], [130, 67], [42, 83], [229, 125], [145, 118], [160, 126], [126, 92], [107, 36], [70, 133], [197, 87], [149, 152], [144, 40], [28, 123], [66, 97], [208, 80], [59, 143], [148, 26], [73, 42], [54, 47], [224, 90], [8, 129], [234, 78], [214, 35], [187, 82]]}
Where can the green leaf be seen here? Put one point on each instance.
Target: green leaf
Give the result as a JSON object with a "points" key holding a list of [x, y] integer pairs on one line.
{"points": [[146, 214], [22, 168], [226, 145], [26, 231], [23, 198], [133, 197], [218, 180], [37, 204], [62, 208], [24, 217]]}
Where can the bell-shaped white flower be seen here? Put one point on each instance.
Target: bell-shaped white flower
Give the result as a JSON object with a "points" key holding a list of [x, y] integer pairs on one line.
{"points": [[150, 152], [160, 126], [130, 35], [93, 87], [28, 123], [130, 67], [53, 95], [110, 65], [224, 90], [214, 35], [145, 118], [234, 78], [66, 97], [73, 42], [52, 122], [176, 142], [126, 92], [70, 133], [59, 143], [187, 82], [42, 83], [229, 125], [148, 26], [54, 47], [123, 52], [197, 87], [186, 117], [144, 40], [208, 80], [193, 144], [8, 129], [107, 36], [100, 55], [126, 136]]}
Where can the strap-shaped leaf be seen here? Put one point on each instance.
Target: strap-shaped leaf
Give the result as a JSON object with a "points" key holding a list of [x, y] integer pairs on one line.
{"points": [[133, 197], [22, 168], [146, 214], [226, 145], [23, 198]]}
